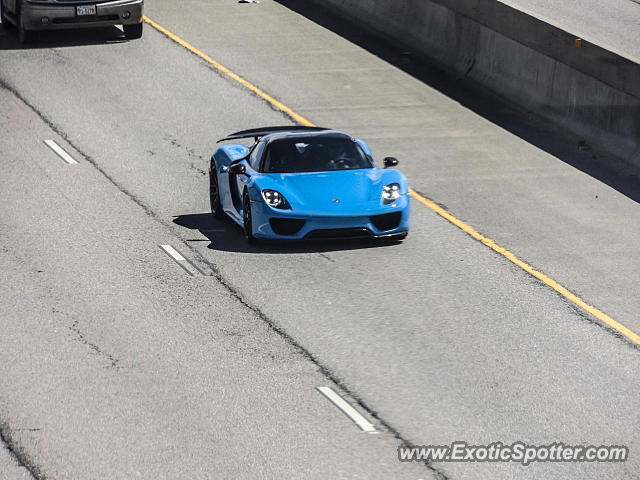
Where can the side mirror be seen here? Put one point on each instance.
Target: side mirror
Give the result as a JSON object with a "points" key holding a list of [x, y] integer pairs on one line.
{"points": [[390, 162], [238, 169]]}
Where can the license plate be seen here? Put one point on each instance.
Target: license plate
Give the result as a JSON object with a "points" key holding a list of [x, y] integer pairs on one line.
{"points": [[86, 10]]}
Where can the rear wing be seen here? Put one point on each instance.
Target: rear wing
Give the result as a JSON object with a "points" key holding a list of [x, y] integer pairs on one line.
{"points": [[257, 133]]}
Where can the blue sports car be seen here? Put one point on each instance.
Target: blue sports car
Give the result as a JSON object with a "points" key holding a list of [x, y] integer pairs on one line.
{"points": [[307, 182]]}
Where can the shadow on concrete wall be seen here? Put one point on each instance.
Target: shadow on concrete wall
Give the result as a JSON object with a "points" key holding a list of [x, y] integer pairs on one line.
{"points": [[572, 150]]}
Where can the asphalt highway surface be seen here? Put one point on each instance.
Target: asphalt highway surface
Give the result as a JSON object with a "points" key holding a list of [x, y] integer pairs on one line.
{"points": [[119, 362]]}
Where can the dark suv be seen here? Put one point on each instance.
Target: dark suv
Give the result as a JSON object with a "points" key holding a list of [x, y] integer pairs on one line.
{"points": [[31, 15]]}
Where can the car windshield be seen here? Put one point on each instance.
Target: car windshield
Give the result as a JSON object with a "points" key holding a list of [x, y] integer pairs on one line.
{"points": [[314, 154]]}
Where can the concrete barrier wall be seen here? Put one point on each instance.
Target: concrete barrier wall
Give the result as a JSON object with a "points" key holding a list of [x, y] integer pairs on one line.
{"points": [[589, 91]]}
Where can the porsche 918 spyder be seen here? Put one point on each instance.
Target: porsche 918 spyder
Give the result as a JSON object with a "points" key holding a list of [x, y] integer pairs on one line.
{"points": [[298, 183]]}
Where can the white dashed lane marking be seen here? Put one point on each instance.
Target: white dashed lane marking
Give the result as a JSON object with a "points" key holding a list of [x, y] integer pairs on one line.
{"points": [[348, 410], [180, 260], [60, 152]]}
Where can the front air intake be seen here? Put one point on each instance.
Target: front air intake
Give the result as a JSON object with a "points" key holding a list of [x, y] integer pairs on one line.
{"points": [[387, 221], [286, 226]]}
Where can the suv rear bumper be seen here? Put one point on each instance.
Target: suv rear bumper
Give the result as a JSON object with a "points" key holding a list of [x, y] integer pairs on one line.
{"points": [[64, 16]]}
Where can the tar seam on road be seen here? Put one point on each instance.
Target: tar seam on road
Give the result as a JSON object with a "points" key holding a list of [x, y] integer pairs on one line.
{"points": [[17, 454], [323, 369], [180, 260], [60, 152], [573, 298], [348, 410]]}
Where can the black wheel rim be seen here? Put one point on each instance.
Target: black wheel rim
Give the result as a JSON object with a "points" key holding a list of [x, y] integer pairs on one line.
{"points": [[247, 217], [213, 193]]}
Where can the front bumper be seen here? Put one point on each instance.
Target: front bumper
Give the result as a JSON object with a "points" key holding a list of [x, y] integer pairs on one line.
{"points": [[383, 222], [62, 16]]}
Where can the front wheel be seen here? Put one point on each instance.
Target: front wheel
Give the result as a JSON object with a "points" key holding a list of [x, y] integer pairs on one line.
{"points": [[132, 31], [247, 220], [214, 194]]}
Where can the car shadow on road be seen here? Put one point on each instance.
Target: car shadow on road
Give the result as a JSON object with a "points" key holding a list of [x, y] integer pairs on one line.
{"points": [[574, 151], [225, 235], [61, 38]]}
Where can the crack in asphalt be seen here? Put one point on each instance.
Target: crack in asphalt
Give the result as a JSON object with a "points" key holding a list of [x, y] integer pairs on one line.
{"points": [[233, 291], [327, 257], [95, 348], [18, 454], [62, 134], [324, 370]]}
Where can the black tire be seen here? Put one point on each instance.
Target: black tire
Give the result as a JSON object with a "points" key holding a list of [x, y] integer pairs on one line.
{"points": [[132, 31], [214, 194], [247, 220], [24, 36]]}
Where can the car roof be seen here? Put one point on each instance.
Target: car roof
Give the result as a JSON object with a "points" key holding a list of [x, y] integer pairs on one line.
{"points": [[305, 134]]}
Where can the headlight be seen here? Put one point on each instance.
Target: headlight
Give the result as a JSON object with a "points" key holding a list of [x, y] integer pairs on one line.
{"points": [[275, 199], [390, 193]]}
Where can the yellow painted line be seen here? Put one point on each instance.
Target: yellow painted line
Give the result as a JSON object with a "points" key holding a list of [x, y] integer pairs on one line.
{"points": [[234, 76], [600, 315]]}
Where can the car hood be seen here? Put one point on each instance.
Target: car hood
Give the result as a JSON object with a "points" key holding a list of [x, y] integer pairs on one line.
{"points": [[334, 193]]}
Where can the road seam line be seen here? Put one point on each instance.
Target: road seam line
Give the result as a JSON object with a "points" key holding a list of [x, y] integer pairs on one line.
{"points": [[233, 291], [355, 416], [177, 257], [60, 152], [573, 298]]}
